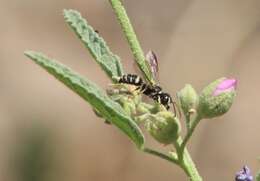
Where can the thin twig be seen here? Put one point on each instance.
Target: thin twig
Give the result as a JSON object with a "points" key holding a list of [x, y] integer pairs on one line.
{"points": [[161, 155]]}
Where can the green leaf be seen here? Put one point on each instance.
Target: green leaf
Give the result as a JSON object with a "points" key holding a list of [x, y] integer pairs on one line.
{"points": [[109, 62], [109, 109]]}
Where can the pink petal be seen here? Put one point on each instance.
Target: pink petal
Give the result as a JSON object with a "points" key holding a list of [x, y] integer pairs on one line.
{"points": [[225, 86]]}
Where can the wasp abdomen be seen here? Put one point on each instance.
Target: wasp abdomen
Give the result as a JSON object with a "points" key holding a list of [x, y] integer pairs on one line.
{"points": [[131, 79]]}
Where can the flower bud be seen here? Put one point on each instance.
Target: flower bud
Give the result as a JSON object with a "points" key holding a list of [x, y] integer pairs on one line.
{"points": [[217, 98], [164, 127], [189, 99]]}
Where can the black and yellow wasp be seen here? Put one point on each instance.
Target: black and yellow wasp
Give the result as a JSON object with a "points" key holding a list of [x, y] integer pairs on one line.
{"points": [[153, 91]]}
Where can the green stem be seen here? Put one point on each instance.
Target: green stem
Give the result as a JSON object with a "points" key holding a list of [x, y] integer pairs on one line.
{"points": [[186, 163], [161, 155], [194, 123], [187, 119], [189, 167], [131, 38], [184, 158]]}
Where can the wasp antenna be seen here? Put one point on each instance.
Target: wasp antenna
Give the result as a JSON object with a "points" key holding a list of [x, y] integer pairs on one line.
{"points": [[176, 109]]}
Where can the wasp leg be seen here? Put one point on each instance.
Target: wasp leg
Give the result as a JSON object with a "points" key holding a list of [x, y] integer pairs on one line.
{"points": [[118, 89], [144, 89], [137, 91], [116, 85]]}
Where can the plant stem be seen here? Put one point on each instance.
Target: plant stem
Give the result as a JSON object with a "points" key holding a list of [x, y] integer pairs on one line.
{"points": [[161, 155], [189, 167], [131, 38], [183, 160], [184, 157], [194, 123], [186, 163]]}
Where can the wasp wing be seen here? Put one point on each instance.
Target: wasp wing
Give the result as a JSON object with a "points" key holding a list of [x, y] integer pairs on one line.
{"points": [[152, 60]]}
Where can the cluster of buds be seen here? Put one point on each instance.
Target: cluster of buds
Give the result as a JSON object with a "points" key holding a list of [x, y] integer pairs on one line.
{"points": [[214, 100]]}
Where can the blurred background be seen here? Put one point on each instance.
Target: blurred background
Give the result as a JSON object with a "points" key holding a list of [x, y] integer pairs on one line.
{"points": [[49, 133]]}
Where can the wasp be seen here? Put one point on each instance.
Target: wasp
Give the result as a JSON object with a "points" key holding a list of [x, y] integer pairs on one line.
{"points": [[153, 91]]}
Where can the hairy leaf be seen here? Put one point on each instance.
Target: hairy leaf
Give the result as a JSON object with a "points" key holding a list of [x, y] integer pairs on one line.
{"points": [[109, 109], [109, 62]]}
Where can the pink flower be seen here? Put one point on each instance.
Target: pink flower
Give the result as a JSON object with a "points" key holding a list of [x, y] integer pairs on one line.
{"points": [[226, 85]]}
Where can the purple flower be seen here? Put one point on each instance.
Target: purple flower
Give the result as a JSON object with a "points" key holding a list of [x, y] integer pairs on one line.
{"points": [[225, 86], [244, 175]]}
